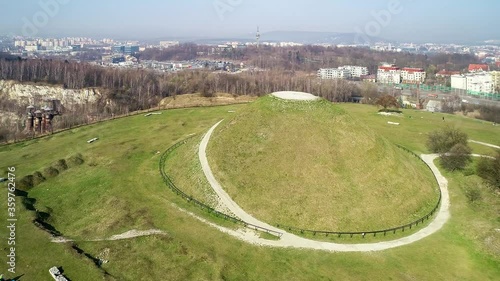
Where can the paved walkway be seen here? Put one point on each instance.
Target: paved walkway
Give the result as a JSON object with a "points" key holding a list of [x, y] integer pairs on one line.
{"points": [[127, 235], [294, 241], [485, 144]]}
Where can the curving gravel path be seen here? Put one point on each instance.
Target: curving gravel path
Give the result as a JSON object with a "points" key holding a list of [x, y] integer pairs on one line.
{"points": [[485, 144], [294, 241], [127, 235]]}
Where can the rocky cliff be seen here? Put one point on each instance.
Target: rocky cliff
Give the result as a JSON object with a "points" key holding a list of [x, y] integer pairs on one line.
{"points": [[25, 94]]}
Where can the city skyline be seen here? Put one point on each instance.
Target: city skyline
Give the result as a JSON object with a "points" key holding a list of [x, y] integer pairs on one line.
{"points": [[398, 20]]}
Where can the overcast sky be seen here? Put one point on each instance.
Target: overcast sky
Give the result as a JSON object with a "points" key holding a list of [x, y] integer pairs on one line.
{"points": [[402, 20]]}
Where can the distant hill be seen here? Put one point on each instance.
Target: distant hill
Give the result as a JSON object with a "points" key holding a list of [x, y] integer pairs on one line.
{"points": [[303, 37], [311, 37]]}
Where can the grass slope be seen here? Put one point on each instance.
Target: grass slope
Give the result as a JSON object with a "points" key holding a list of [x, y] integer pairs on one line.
{"points": [[313, 166], [130, 194]]}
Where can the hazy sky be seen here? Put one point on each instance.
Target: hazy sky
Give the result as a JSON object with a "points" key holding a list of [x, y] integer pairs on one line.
{"points": [[403, 20]]}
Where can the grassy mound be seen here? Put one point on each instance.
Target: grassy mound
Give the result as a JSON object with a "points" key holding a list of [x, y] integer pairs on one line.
{"points": [[312, 165]]}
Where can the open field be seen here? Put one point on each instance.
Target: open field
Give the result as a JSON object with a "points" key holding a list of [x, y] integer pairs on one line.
{"points": [[196, 100], [118, 188], [313, 166], [415, 125]]}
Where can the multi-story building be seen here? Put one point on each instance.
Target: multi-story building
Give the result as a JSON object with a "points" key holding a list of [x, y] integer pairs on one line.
{"points": [[459, 82], [343, 72], [20, 43], [413, 75], [356, 71], [474, 82], [167, 44], [480, 83], [369, 78], [334, 73], [389, 74], [495, 77], [126, 49], [31, 48]]}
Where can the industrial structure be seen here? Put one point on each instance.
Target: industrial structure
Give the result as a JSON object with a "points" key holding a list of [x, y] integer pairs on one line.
{"points": [[40, 120]]}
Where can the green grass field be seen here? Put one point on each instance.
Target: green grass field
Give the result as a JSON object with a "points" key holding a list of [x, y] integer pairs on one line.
{"points": [[119, 188]]}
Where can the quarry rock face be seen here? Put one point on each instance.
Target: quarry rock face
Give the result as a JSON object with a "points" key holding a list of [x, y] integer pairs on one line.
{"points": [[27, 94]]}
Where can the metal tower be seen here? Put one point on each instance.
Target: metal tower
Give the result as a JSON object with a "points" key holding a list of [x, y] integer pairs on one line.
{"points": [[257, 37]]}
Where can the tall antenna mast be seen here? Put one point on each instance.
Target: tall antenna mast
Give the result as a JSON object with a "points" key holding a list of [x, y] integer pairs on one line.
{"points": [[257, 37]]}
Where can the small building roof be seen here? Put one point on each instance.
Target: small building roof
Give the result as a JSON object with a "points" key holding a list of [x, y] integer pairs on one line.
{"points": [[413, 69], [447, 73], [478, 67]]}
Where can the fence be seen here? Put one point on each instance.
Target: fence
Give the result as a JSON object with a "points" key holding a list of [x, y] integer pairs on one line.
{"points": [[444, 89], [203, 206], [393, 230], [168, 181]]}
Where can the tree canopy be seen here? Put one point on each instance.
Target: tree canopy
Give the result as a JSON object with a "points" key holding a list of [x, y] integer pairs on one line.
{"points": [[387, 101], [452, 145]]}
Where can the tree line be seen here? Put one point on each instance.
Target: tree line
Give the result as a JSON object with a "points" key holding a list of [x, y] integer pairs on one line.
{"points": [[127, 90], [310, 58], [140, 89]]}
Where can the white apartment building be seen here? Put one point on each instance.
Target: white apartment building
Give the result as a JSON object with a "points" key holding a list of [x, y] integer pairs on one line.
{"points": [[474, 82], [334, 73], [413, 75], [389, 74], [459, 81], [167, 44], [31, 48], [356, 71], [19, 43], [480, 82]]}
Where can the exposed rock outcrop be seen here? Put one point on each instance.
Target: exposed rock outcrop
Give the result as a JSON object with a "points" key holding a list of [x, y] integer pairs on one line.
{"points": [[28, 93]]}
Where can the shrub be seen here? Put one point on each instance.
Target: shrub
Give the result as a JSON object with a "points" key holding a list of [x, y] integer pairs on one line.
{"points": [[61, 165], [29, 203], [489, 170], [473, 194], [457, 158], [26, 183], [75, 160], [443, 141], [50, 172], [38, 178], [387, 101]]}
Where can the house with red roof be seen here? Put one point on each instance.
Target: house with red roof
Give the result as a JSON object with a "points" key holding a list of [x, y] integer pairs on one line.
{"points": [[478, 67], [389, 74], [411, 75]]}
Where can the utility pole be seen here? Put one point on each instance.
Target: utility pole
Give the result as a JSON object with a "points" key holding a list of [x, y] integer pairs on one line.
{"points": [[257, 39]]}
